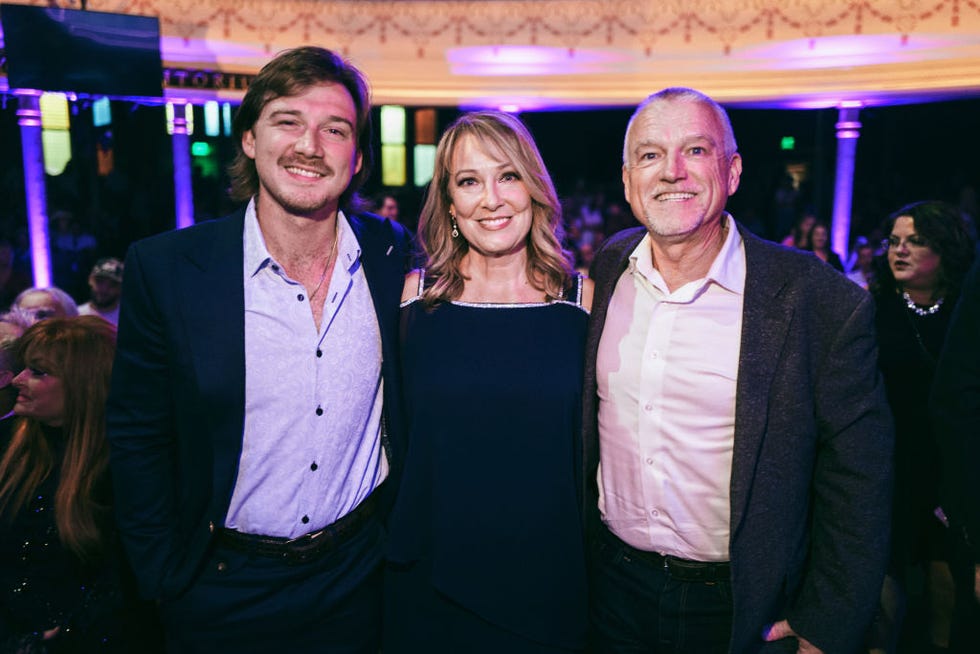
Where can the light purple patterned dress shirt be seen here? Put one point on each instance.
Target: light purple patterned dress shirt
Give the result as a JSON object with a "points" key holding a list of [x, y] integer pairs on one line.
{"points": [[313, 401]]}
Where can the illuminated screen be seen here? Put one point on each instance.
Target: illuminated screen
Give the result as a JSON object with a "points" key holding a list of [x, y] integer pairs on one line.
{"points": [[82, 52]]}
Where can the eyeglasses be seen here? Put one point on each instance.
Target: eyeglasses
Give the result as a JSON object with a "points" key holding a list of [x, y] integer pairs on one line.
{"points": [[913, 242]]}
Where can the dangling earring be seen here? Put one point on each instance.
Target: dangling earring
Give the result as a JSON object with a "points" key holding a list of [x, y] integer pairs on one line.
{"points": [[455, 231]]}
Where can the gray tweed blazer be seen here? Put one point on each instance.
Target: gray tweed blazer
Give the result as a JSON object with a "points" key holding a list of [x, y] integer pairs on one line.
{"points": [[812, 465]]}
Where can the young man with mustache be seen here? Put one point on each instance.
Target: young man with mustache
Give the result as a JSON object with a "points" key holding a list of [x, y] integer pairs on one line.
{"points": [[247, 419]]}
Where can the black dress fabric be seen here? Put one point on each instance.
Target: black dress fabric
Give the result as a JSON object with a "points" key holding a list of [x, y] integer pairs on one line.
{"points": [[909, 346], [488, 506], [43, 584]]}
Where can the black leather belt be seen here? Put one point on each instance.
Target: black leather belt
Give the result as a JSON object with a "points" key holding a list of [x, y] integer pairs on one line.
{"points": [[302, 548], [678, 568]]}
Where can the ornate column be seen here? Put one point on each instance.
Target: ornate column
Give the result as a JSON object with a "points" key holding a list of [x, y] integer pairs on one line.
{"points": [[183, 188], [32, 150], [848, 132]]}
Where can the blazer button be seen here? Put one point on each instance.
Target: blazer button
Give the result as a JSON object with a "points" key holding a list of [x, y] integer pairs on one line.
{"points": [[222, 566], [211, 527]]}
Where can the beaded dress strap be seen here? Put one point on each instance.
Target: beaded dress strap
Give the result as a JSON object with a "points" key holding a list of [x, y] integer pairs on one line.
{"points": [[572, 294], [579, 284]]}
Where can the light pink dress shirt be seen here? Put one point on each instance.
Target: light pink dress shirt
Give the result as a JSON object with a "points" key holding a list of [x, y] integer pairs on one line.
{"points": [[667, 371]]}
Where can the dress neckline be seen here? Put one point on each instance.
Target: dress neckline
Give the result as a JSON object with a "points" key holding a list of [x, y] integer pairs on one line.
{"points": [[508, 305], [571, 298]]}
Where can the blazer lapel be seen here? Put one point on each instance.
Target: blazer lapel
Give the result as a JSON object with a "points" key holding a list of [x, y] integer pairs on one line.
{"points": [[605, 276], [384, 270], [765, 322], [210, 272], [383, 258], [608, 268]]}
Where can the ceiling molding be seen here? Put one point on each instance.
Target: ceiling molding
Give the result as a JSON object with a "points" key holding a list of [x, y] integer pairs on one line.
{"points": [[595, 52]]}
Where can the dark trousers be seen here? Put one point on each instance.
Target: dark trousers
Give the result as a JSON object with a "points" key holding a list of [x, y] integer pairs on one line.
{"points": [[245, 602], [965, 636], [636, 606]]}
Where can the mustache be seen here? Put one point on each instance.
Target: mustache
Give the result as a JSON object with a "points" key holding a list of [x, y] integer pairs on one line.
{"points": [[310, 163]]}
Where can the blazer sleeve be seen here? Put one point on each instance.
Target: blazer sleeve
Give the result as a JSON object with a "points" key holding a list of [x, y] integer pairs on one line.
{"points": [[852, 490], [141, 435], [956, 413]]}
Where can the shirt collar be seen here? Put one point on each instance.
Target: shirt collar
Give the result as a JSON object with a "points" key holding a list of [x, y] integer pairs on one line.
{"points": [[257, 255], [727, 270]]}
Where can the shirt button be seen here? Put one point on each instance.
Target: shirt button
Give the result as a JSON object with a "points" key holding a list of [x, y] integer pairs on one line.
{"points": [[314, 466], [319, 353], [319, 411], [648, 406], [305, 519], [654, 355], [655, 513], [275, 268], [300, 297], [649, 461]]}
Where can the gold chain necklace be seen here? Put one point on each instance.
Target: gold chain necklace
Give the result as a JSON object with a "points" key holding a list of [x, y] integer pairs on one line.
{"points": [[329, 261]]}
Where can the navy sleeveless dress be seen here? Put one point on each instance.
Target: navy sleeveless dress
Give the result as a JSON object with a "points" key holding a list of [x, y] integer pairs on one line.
{"points": [[486, 546]]}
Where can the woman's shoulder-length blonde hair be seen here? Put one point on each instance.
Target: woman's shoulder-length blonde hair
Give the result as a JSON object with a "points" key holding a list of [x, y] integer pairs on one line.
{"points": [[502, 136]]}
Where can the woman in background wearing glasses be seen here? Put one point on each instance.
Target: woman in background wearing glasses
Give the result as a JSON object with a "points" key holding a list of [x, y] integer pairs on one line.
{"points": [[928, 252]]}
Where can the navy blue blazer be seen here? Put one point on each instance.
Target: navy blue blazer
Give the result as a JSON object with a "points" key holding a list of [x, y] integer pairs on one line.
{"points": [[811, 469], [176, 407]]}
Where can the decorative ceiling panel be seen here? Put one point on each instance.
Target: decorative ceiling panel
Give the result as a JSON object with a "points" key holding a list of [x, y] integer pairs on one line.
{"points": [[594, 52]]}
